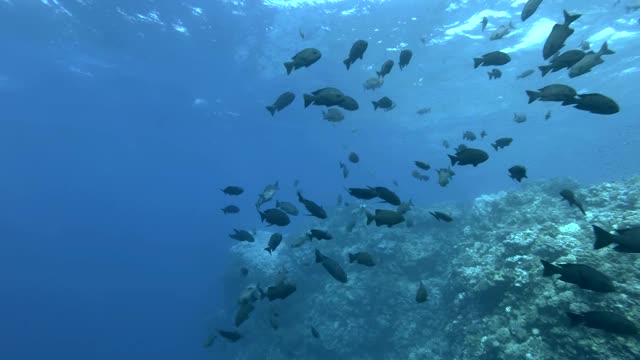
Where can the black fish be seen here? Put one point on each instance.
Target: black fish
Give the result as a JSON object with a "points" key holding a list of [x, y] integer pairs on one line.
{"points": [[315, 333], [494, 58], [525, 74], [422, 165], [559, 34], [421, 294], [554, 92], [469, 156], [469, 135], [357, 52], [584, 276], [274, 241], [345, 169], [313, 208], [387, 195], [233, 190], [243, 313], [565, 60], [362, 258], [232, 336], [495, 74], [483, 134], [363, 193], [275, 217], [571, 198], [230, 209], [244, 271], [518, 172], [242, 235], [274, 320], [604, 320], [529, 8], [284, 100], [349, 103], [304, 58], [484, 22], [441, 216], [332, 267], [319, 234], [324, 97], [385, 69], [502, 143], [594, 103], [280, 291], [385, 217], [354, 158], [627, 240], [405, 57], [384, 103], [460, 148], [287, 207]]}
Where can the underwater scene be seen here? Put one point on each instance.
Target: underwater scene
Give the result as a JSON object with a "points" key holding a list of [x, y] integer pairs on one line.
{"points": [[320, 179]]}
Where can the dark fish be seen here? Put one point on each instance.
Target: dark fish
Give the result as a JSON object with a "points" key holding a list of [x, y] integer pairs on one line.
{"points": [[519, 118], [460, 148], [385, 69], [494, 58], [233, 190], [559, 34], [357, 52], [304, 58], [339, 200], [284, 100], [422, 165], [469, 135], [604, 320], [274, 320], [384, 103], [444, 176], [627, 240], [230, 209], [554, 92], [363, 193], [405, 57], [404, 207], [502, 31], [362, 258], [313, 208], [502, 143], [267, 194], [469, 156], [243, 313], [387, 195], [332, 267], [274, 241], [209, 340], [484, 22], [518, 172], [319, 234], [529, 8], [495, 74], [232, 336], [483, 134], [301, 33], [525, 74], [242, 235], [373, 83], [244, 271], [584, 276], [571, 199], [421, 294], [385, 217], [280, 291], [345, 170], [315, 333], [354, 158], [333, 115], [590, 60], [547, 116], [287, 207], [594, 103], [566, 60], [349, 103], [416, 174], [324, 97], [422, 111], [445, 143], [441, 216], [275, 217]]}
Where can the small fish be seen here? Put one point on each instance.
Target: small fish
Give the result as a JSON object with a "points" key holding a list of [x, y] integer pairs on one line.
{"points": [[233, 190], [445, 143], [315, 333], [287, 207], [274, 320], [301, 33], [385, 69], [333, 115], [304, 58], [384, 103], [585, 45], [460, 148], [483, 134], [484, 22], [518, 172], [354, 158], [469, 135], [284, 100], [494, 58], [281, 290], [349, 227], [232, 336], [208, 342], [319, 234], [230, 209], [502, 31], [345, 170], [604, 320], [584, 276], [444, 176], [385, 217], [373, 83], [422, 165], [267, 194], [441, 216], [571, 199], [274, 217], [547, 116], [405, 57], [242, 235], [424, 110], [416, 174], [404, 207], [357, 52], [332, 267], [495, 74], [421, 294], [519, 118], [362, 258], [525, 74], [244, 271], [363, 193], [274, 241]]}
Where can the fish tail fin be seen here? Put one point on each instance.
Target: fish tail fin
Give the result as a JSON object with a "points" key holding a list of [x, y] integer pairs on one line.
{"points": [[581, 209], [262, 217], [603, 238], [310, 236], [533, 95], [289, 66], [379, 74], [347, 63], [308, 99], [604, 50], [544, 69], [490, 75], [454, 159], [575, 318], [477, 62], [568, 18], [375, 105], [351, 258], [370, 217], [318, 256], [268, 249], [549, 269], [495, 146], [272, 109], [511, 25], [300, 198]]}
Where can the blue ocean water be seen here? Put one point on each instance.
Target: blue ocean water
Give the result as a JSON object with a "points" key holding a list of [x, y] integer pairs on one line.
{"points": [[121, 121]]}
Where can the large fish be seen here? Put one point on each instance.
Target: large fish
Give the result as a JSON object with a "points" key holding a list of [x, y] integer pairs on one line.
{"points": [[559, 34], [626, 240], [267, 194], [604, 320], [590, 60], [357, 52], [332, 267], [529, 8], [313, 208], [584, 276], [284, 100], [304, 58]]}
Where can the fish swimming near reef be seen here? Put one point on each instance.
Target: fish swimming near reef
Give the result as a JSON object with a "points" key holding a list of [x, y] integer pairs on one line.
{"points": [[584, 276], [332, 267]]}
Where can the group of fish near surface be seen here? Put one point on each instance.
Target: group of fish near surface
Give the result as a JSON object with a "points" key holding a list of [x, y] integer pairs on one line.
{"points": [[595, 103]]}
